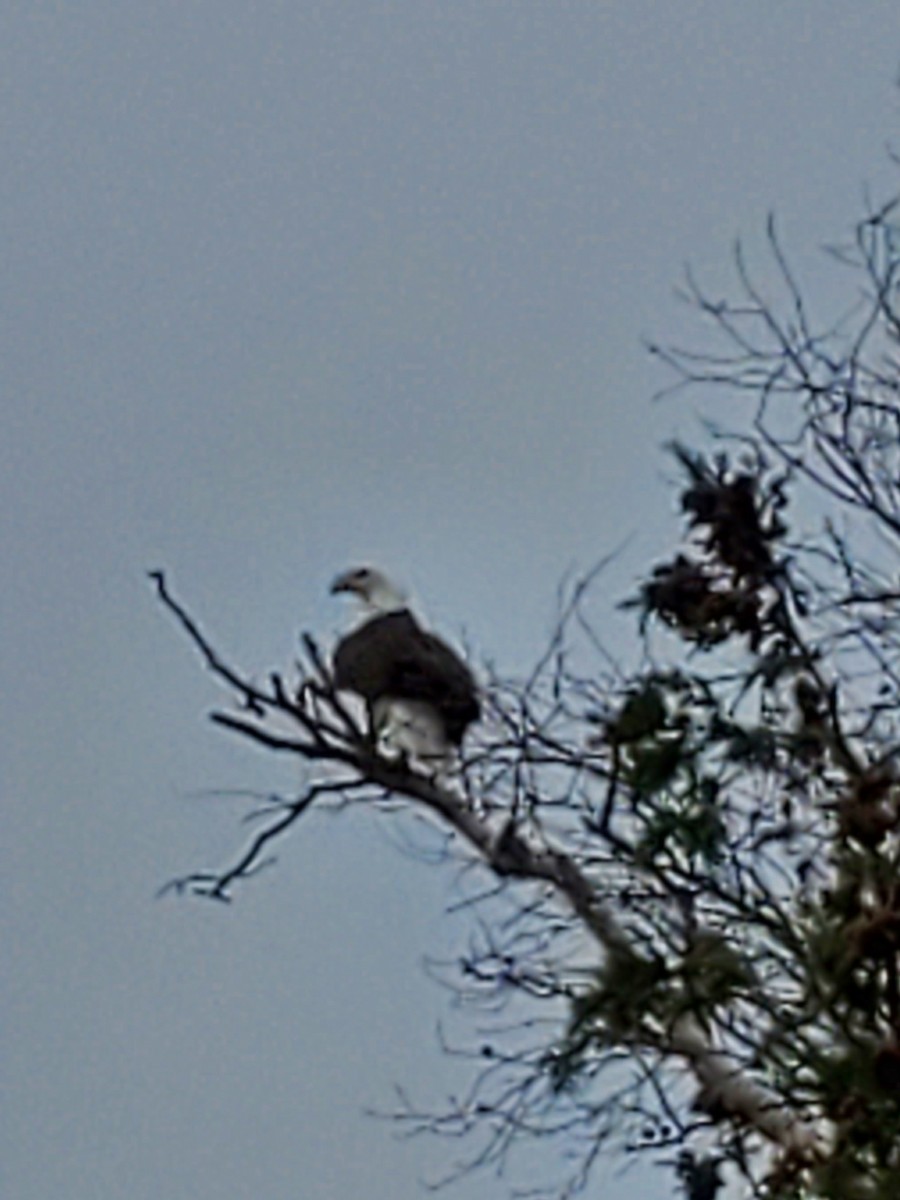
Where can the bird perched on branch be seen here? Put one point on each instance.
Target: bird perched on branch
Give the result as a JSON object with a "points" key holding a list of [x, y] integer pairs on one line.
{"points": [[420, 696]]}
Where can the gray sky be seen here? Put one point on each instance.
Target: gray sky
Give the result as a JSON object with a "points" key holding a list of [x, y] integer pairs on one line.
{"points": [[284, 286]]}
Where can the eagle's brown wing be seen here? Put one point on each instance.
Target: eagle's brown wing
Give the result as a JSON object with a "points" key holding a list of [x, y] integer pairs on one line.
{"points": [[392, 656]]}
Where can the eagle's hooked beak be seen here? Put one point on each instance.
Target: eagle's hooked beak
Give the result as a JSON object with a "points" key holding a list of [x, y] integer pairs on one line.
{"points": [[346, 582]]}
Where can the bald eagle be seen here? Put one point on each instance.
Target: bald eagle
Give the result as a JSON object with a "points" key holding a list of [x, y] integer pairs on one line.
{"points": [[419, 694]]}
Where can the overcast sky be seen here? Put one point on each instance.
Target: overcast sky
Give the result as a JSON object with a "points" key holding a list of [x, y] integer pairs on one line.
{"points": [[286, 286]]}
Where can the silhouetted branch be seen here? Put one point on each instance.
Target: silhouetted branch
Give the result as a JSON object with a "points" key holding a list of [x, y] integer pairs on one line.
{"points": [[254, 699], [216, 885]]}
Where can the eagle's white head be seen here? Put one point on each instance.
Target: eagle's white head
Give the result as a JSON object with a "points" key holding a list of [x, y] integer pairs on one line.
{"points": [[372, 588]]}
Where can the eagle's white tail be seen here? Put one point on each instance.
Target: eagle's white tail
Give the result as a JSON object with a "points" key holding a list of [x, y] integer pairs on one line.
{"points": [[413, 729]]}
